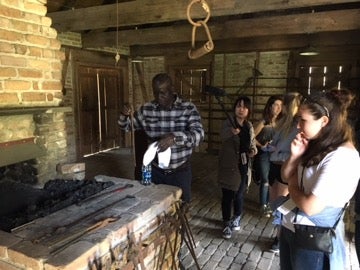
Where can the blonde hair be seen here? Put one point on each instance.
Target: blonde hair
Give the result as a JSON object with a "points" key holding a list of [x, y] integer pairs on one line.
{"points": [[290, 108]]}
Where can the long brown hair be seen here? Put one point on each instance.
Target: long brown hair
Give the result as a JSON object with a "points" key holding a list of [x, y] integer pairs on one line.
{"points": [[267, 112], [290, 107], [335, 133]]}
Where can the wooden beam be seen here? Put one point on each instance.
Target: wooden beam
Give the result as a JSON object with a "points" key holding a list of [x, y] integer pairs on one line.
{"points": [[328, 21], [348, 39], [161, 11]]}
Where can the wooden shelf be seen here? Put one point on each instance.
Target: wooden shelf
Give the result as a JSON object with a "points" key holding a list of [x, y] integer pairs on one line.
{"points": [[32, 110]]}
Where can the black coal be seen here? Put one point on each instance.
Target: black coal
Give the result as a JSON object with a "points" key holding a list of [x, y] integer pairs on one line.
{"points": [[21, 203]]}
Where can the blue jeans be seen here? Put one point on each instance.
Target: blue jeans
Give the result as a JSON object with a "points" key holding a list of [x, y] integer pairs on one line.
{"points": [[293, 258], [262, 167]]}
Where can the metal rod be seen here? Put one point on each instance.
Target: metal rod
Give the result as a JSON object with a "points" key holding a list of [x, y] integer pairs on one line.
{"points": [[99, 106]]}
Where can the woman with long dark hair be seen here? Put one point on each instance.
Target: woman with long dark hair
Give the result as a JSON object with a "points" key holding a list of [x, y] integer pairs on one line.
{"points": [[322, 173], [264, 135]]}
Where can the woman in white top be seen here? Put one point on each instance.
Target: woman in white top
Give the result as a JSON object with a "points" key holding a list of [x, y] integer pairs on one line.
{"points": [[322, 174]]}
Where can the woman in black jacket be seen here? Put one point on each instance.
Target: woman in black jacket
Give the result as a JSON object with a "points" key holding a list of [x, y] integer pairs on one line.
{"points": [[238, 147]]}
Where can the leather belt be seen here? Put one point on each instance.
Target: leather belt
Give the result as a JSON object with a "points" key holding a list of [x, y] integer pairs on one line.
{"points": [[182, 167]]}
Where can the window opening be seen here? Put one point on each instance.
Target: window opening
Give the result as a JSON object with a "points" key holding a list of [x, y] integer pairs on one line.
{"points": [[339, 81], [309, 81], [321, 77], [190, 83]]}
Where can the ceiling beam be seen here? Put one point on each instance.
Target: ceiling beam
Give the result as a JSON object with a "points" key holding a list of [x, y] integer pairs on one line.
{"points": [[142, 12], [310, 23], [263, 43]]}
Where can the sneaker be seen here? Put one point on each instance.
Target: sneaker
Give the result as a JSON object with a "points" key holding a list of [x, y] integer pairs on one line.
{"points": [[226, 233], [235, 223], [275, 247], [266, 211]]}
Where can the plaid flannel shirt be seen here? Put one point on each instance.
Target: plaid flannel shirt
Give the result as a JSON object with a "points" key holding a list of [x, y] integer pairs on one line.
{"points": [[183, 120]]}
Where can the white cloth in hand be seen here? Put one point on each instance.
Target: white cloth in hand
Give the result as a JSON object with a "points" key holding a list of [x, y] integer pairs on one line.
{"points": [[163, 157], [150, 154]]}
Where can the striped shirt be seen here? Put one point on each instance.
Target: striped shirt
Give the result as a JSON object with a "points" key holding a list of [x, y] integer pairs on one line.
{"points": [[183, 120]]}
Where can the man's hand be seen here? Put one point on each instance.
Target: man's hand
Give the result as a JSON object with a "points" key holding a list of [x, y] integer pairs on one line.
{"points": [[126, 110], [166, 142]]}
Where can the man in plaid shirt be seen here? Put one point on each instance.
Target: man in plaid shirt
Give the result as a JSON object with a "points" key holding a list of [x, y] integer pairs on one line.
{"points": [[173, 123]]}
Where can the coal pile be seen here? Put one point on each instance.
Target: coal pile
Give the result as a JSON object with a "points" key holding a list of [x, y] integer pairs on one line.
{"points": [[21, 203]]}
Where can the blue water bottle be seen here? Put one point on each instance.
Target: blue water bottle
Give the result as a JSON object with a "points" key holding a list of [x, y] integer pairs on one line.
{"points": [[146, 174]]}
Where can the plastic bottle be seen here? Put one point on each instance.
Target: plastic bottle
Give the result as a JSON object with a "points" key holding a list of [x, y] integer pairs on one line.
{"points": [[146, 175]]}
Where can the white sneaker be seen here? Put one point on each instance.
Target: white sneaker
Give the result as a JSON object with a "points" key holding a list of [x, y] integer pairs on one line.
{"points": [[275, 246], [227, 232], [235, 223]]}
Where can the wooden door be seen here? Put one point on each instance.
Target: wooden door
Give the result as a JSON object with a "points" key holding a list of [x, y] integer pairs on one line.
{"points": [[190, 82], [99, 99]]}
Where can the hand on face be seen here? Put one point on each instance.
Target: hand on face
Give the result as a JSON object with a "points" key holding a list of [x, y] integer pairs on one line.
{"points": [[310, 126], [299, 145]]}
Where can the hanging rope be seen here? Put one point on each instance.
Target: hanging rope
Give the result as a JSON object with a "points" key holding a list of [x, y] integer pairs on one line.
{"points": [[209, 45], [117, 56]]}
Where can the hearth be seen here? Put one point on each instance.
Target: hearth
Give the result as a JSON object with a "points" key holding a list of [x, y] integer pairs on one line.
{"points": [[136, 227], [21, 203]]}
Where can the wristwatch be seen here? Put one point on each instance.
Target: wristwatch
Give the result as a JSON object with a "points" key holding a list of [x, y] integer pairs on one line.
{"points": [[177, 140]]}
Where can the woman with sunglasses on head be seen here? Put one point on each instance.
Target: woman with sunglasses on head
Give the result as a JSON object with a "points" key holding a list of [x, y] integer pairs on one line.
{"points": [[322, 174]]}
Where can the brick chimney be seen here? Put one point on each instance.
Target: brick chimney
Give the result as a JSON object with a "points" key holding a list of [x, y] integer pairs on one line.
{"points": [[31, 86]]}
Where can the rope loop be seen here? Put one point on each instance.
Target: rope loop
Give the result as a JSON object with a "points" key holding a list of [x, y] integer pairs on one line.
{"points": [[205, 7], [207, 47]]}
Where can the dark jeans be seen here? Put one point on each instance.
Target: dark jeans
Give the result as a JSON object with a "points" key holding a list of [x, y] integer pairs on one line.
{"points": [[234, 199], [180, 178], [357, 222], [274, 173], [357, 239], [262, 168], [293, 258]]}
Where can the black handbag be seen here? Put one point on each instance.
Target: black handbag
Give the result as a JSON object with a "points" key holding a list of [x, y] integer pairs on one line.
{"points": [[316, 237]]}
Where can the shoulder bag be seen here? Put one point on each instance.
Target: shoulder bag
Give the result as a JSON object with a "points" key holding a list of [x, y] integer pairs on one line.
{"points": [[315, 237]]}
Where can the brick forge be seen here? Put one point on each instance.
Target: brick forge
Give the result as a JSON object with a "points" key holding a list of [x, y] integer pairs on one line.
{"points": [[31, 85], [136, 227]]}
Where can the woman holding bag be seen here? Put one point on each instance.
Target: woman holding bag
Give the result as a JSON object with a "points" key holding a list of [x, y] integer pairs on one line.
{"points": [[322, 174]]}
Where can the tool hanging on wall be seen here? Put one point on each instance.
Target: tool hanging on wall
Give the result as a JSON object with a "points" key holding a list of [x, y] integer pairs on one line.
{"points": [[195, 53]]}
